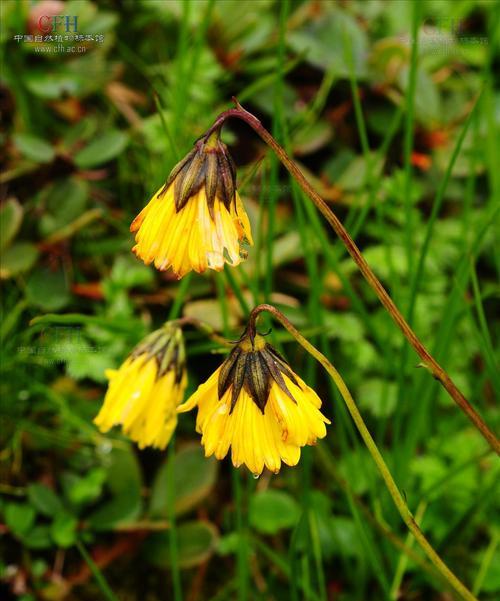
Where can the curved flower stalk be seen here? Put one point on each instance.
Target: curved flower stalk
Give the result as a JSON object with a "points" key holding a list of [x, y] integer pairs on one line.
{"points": [[384, 471], [144, 393], [427, 360], [255, 405], [196, 221]]}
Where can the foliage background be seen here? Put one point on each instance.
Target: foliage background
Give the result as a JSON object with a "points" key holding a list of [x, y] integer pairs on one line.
{"points": [[89, 136]]}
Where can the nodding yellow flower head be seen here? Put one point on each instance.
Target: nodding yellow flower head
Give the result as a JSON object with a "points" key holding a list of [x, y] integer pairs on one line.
{"points": [[196, 220], [144, 393], [255, 404]]}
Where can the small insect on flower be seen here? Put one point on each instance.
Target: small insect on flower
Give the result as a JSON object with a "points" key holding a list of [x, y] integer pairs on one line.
{"points": [[144, 393], [255, 404], [196, 220]]}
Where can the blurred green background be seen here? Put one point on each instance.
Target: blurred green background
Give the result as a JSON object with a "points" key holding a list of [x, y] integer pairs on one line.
{"points": [[403, 145]]}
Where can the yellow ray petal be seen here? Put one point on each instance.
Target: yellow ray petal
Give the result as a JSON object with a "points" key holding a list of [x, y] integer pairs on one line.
{"points": [[302, 422], [190, 239]]}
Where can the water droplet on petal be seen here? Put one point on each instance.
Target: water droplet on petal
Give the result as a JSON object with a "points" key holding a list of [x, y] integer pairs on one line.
{"points": [[255, 476]]}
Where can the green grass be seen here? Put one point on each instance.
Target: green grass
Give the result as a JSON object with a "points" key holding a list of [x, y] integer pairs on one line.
{"points": [[96, 572]]}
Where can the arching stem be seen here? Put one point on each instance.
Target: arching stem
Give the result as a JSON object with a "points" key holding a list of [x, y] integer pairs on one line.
{"points": [[204, 327], [396, 496], [427, 360]]}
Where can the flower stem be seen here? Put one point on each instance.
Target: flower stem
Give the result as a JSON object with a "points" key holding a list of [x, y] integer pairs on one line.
{"points": [[203, 326], [396, 496], [238, 492], [242, 554], [427, 360], [173, 543]]}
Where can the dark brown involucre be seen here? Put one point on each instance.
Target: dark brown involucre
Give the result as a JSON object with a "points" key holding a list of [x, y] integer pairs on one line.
{"points": [[254, 371], [209, 164], [166, 346]]}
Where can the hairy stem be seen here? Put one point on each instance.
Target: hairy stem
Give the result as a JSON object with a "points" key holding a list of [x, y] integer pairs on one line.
{"points": [[427, 360], [396, 496]]}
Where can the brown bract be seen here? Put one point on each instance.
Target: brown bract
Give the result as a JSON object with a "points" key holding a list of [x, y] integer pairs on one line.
{"points": [[166, 346], [209, 164], [254, 365]]}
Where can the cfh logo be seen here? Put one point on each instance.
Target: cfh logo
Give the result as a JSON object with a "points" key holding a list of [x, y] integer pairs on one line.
{"points": [[49, 24]]}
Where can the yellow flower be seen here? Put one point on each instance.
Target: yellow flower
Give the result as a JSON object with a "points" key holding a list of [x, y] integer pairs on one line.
{"points": [[255, 404], [196, 220], [144, 393]]}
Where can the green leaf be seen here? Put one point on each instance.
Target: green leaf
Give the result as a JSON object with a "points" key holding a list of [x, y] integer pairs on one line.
{"points": [[19, 517], [196, 541], [427, 99], [102, 149], [347, 327], [229, 544], [194, 478], [65, 201], [51, 85], [378, 396], [321, 504], [47, 289], [376, 256], [63, 529], [87, 361], [85, 489], [101, 23], [273, 510], [38, 537], [124, 483], [19, 257], [346, 536], [287, 248], [11, 216], [355, 175], [323, 42], [311, 138], [44, 499], [352, 467], [34, 148], [38, 567], [429, 469], [127, 272], [491, 582]]}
